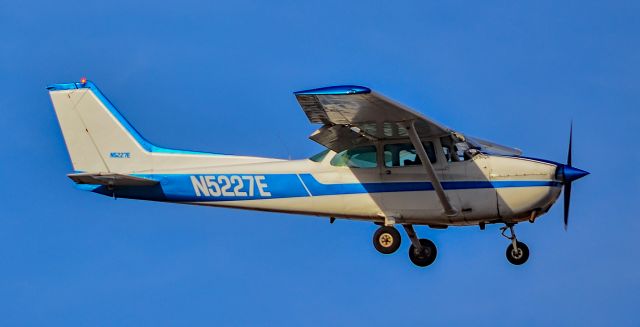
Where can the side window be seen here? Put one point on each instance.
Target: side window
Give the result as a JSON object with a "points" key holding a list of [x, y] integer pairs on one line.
{"points": [[455, 152], [360, 157], [462, 150], [404, 154]]}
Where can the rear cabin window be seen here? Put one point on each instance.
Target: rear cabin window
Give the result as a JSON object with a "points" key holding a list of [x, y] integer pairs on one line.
{"points": [[360, 157], [404, 154]]}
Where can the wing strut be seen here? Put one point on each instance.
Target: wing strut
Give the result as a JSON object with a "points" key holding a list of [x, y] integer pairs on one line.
{"points": [[428, 167]]}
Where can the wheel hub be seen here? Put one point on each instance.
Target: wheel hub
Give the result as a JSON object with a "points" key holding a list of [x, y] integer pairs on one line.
{"points": [[422, 253], [516, 253], [386, 240]]}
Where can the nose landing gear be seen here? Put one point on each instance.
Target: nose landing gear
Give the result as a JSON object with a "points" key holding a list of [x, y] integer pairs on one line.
{"points": [[517, 252]]}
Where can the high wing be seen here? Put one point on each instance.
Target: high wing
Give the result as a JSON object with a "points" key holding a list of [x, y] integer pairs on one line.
{"points": [[493, 148], [353, 115], [111, 179]]}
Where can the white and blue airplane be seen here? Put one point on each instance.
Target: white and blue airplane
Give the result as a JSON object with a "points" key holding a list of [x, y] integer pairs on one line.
{"points": [[384, 163]]}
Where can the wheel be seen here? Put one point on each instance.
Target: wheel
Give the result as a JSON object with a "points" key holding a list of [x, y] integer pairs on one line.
{"points": [[518, 256], [386, 240], [425, 257]]}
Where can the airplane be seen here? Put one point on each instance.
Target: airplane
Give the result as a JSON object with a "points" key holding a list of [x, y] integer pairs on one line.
{"points": [[383, 163]]}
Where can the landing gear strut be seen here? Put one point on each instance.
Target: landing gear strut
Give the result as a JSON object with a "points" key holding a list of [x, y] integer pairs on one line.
{"points": [[386, 239], [422, 252], [517, 252]]}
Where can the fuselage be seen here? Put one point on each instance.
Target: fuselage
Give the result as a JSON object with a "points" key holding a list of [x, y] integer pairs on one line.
{"points": [[384, 163], [483, 189]]}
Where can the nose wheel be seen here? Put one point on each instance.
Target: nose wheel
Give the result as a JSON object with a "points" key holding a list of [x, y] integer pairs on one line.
{"points": [[517, 252], [386, 239]]}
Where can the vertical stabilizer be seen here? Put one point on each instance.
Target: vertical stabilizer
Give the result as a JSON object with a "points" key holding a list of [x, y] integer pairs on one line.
{"points": [[98, 138]]}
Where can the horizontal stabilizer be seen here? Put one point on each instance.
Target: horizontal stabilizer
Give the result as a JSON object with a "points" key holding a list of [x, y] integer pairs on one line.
{"points": [[111, 179]]}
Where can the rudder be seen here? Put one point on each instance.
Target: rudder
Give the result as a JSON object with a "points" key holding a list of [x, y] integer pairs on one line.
{"points": [[98, 138]]}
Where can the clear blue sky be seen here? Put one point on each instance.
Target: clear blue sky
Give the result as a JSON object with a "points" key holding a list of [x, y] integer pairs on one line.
{"points": [[220, 76]]}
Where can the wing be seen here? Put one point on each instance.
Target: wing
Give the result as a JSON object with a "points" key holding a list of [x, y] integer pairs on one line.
{"points": [[353, 115], [111, 179], [493, 148]]}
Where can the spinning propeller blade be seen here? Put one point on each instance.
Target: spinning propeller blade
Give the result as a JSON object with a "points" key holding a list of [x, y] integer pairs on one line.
{"points": [[569, 174], [567, 201], [570, 144]]}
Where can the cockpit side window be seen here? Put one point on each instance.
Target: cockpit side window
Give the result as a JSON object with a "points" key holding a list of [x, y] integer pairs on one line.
{"points": [[359, 157], [447, 148], [456, 151], [404, 154]]}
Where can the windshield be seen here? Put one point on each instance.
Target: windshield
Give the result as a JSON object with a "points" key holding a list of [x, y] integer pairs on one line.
{"points": [[319, 156], [359, 157]]}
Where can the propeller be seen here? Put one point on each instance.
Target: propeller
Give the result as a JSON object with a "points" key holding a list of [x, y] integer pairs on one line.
{"points": [[567, 174]]}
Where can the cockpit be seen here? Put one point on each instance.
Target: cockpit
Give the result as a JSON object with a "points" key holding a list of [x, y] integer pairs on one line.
{"points": [[402, 153]]}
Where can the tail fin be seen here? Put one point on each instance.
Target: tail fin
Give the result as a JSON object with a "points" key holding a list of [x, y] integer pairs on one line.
{"points": [[98, 138]]}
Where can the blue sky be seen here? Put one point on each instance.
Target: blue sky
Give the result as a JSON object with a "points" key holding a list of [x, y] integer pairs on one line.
{"points": [[219, 77]]}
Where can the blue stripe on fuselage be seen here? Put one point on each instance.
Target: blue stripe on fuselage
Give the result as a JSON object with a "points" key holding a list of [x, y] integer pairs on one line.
{"points": [[317, 188], [238, 187]]}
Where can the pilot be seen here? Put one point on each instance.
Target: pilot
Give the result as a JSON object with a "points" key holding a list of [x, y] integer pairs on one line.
{"points": [[454, 154], [415, 162], [470, 153]]}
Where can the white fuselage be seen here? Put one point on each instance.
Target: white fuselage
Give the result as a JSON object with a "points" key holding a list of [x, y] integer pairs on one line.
{"points": [[484, 189]]}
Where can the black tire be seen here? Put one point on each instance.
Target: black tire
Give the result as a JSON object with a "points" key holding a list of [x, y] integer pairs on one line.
{"points": [[427, 256], [520, 256], [386, 239]]}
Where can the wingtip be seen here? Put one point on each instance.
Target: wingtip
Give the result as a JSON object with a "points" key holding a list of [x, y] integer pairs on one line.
{"points": [[336, 90]]}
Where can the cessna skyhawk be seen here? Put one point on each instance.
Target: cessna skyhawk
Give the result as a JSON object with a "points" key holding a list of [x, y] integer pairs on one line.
{"points": [[384, 163]]}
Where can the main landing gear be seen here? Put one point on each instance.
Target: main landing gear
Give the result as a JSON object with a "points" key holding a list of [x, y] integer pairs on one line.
{"points": [[422, 252], [517, 252], [386, 239]]}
